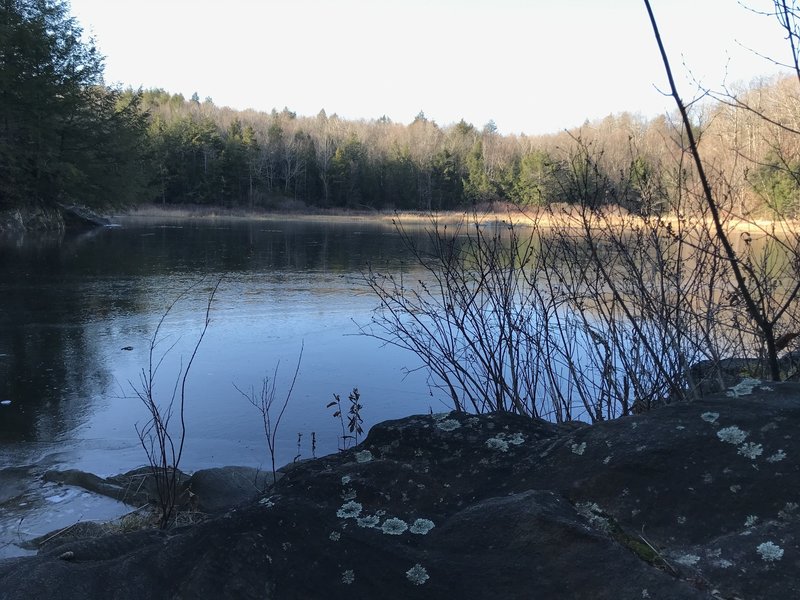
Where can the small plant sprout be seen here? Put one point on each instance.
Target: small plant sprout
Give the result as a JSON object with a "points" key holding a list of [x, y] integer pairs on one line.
{"points": [[299, 452], [732, 435], [769, 552], [354, 420], [417, 574], [421, 526], [348, 577], [394, 526]]}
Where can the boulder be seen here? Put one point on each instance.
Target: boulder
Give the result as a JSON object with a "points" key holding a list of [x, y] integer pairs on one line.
{"points": [[220, 489], [692, 500]]}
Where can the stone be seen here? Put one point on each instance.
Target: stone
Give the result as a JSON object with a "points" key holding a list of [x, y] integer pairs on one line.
{"points": [[691, 500]]}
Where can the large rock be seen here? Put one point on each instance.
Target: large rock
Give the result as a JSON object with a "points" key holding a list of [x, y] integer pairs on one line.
{"points": [[694, 500]]}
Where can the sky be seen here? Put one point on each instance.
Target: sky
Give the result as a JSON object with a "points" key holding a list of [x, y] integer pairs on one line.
{"points": [[531, 66]]}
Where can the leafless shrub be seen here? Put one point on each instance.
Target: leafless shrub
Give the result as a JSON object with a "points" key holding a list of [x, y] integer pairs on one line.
{"points": [[264, 401], [163, 445]]}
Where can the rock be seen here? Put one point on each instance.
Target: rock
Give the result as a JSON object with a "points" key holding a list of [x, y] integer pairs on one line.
{"points": [[134, 488], [220, 489], [208, 490], [81, 217], [13, 482], [692, 500]]}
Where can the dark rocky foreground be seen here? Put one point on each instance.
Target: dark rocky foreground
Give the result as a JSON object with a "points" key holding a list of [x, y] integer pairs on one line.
{"points": [[696, 500]]}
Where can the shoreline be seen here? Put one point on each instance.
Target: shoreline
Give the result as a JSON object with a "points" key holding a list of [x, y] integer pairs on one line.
{"points": [[534, 217]]}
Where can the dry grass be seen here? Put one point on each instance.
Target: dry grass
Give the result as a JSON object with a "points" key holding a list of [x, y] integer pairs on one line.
{"points": [[563, 215], [138, 519]]}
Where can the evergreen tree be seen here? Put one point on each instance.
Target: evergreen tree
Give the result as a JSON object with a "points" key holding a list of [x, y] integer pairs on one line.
{"points": [[64, 137]]}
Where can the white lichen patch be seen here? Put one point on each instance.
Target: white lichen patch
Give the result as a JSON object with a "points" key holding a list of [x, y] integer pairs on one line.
{"points": [[593, 513], [750, 521], [777, 457], [722, 563], [348, 577], [421, 526], [578, 449], [335, 536], [516, 439], [368, 521], [744, 388], [607, 459], [735, 488], [266, 502], [363, 456], [751, 450], [345, 479], [394, 526], [502, 440], [688, 560], [769, 551], [732, 435], [710, 417], [440, 416], [681, 519], [417, 574], [349, 510], [496, 443], [448, 425], [788, 510]]}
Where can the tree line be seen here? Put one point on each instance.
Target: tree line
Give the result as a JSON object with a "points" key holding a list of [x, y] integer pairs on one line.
{"points": [[67, 137]]}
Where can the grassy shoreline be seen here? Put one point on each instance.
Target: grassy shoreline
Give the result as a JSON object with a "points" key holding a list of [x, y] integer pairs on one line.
{"points": [[541, 218]]}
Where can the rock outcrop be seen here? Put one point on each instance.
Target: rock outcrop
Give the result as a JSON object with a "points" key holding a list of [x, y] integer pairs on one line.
{"points": [[695, 500]]}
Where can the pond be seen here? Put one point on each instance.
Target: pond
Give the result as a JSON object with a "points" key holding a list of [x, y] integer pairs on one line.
{"points": [[78, 316]]}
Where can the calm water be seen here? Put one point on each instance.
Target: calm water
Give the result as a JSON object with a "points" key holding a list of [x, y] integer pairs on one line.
{"points": [[71, 310]]}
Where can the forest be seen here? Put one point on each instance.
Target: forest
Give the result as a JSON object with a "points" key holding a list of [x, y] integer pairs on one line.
{"points": [[67, 137]]}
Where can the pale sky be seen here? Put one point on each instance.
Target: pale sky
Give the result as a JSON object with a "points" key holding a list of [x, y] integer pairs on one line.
{"points": [[532, 66]]}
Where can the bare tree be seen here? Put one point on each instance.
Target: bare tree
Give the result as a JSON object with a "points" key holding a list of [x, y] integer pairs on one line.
{"points": [[264, 400], [163, 445], [769, 300]]}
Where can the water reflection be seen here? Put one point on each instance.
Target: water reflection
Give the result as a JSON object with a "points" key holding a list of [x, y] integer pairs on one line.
{"points": [[72, 309]]}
